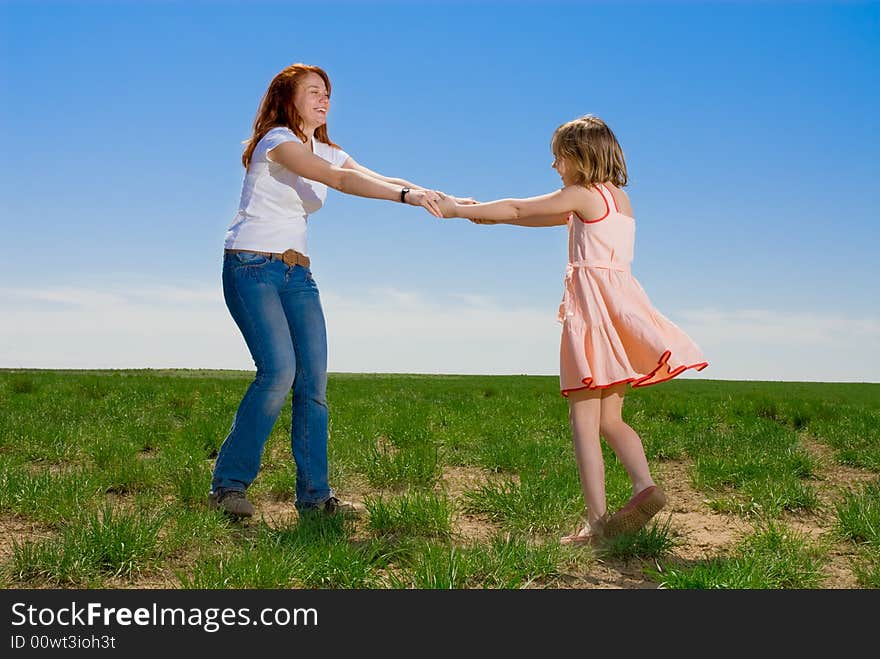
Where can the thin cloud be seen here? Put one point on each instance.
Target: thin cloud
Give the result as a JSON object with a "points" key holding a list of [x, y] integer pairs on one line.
{"points": [[389, 329], [759, 325]]}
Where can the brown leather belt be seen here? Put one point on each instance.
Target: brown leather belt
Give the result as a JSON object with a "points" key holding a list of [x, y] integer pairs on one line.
{"points": [[290, 257]]}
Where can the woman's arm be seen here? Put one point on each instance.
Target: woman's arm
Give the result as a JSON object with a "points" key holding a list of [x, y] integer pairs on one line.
{"points": [[351, 163], [301, 161], [546, 210]]}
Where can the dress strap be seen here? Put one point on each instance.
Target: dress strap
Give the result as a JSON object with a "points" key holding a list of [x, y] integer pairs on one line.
{"points": [[609, 198]]}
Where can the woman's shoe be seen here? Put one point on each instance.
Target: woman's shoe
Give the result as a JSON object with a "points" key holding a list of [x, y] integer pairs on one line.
{"points": [[637, 511], [333, 506], [232, 502]]}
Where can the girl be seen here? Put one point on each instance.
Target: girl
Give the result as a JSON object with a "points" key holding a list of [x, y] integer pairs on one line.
{"points": [[611, 334], [269, 290]]}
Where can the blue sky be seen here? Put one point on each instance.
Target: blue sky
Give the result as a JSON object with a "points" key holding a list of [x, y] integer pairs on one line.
{"points": [[748, 130]]}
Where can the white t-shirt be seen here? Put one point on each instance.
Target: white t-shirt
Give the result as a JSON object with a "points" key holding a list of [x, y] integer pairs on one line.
{"points": [[276, 203]]}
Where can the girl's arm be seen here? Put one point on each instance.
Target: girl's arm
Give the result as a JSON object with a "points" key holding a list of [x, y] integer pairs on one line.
{"points": [[301, 161], [547, 210], [533, 221]]}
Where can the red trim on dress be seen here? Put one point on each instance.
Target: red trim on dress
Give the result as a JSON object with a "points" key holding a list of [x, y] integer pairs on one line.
{"points": [[640, 381], [607, 209], [611, 194]]}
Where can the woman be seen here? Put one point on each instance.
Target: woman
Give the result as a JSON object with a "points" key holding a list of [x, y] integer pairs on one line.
{"points": [[269, 289]]}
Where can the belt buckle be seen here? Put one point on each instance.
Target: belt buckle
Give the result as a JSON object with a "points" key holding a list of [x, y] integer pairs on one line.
{"points": [[290, 257]]}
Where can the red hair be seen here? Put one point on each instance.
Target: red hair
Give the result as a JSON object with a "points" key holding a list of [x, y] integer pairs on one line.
{"points": [[277, 108]]}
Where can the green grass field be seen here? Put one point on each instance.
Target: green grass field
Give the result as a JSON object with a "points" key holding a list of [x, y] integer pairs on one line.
{"points": [[468, 482]]}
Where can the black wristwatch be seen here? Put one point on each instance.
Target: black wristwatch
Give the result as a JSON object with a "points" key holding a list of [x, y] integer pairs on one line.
{"points": [[403, 195]]}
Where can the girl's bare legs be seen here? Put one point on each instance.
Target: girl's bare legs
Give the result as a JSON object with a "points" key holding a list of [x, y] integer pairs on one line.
{"points": [[585, 408], [625, 442]]}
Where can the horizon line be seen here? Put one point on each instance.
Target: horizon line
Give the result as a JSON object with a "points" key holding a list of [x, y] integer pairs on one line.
{"points": [[5, 369]]}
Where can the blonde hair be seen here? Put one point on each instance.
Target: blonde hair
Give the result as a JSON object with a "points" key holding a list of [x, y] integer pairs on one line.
{"points": [[277, 108], [588, 146]]}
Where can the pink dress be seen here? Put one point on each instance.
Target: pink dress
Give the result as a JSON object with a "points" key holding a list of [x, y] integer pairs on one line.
{"points": [[611, 333]]}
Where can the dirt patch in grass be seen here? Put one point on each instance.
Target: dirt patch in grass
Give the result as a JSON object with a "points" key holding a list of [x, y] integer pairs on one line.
{"points": [[700, 530], [614, 575], [833, 481], [153, 581], [52, 468], [834, 476], [456, 480], [276, 514], [15, 529]]}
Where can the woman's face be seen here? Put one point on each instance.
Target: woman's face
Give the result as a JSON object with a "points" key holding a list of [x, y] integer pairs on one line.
{"points": [[312, 100]]}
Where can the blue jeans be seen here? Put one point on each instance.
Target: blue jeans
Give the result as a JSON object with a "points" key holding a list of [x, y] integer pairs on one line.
{"points": [[278, 310]]}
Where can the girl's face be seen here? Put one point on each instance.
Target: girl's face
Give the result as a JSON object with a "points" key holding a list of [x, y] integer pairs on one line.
{"points": [[561, 168], [312, 101]]}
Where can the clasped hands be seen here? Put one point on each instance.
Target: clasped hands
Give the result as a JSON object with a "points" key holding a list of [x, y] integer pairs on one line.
{"points": [[442, 205]]}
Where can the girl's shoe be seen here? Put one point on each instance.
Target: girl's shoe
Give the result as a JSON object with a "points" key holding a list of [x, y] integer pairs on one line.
{"points": [[637, 511], [591, 534]]}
